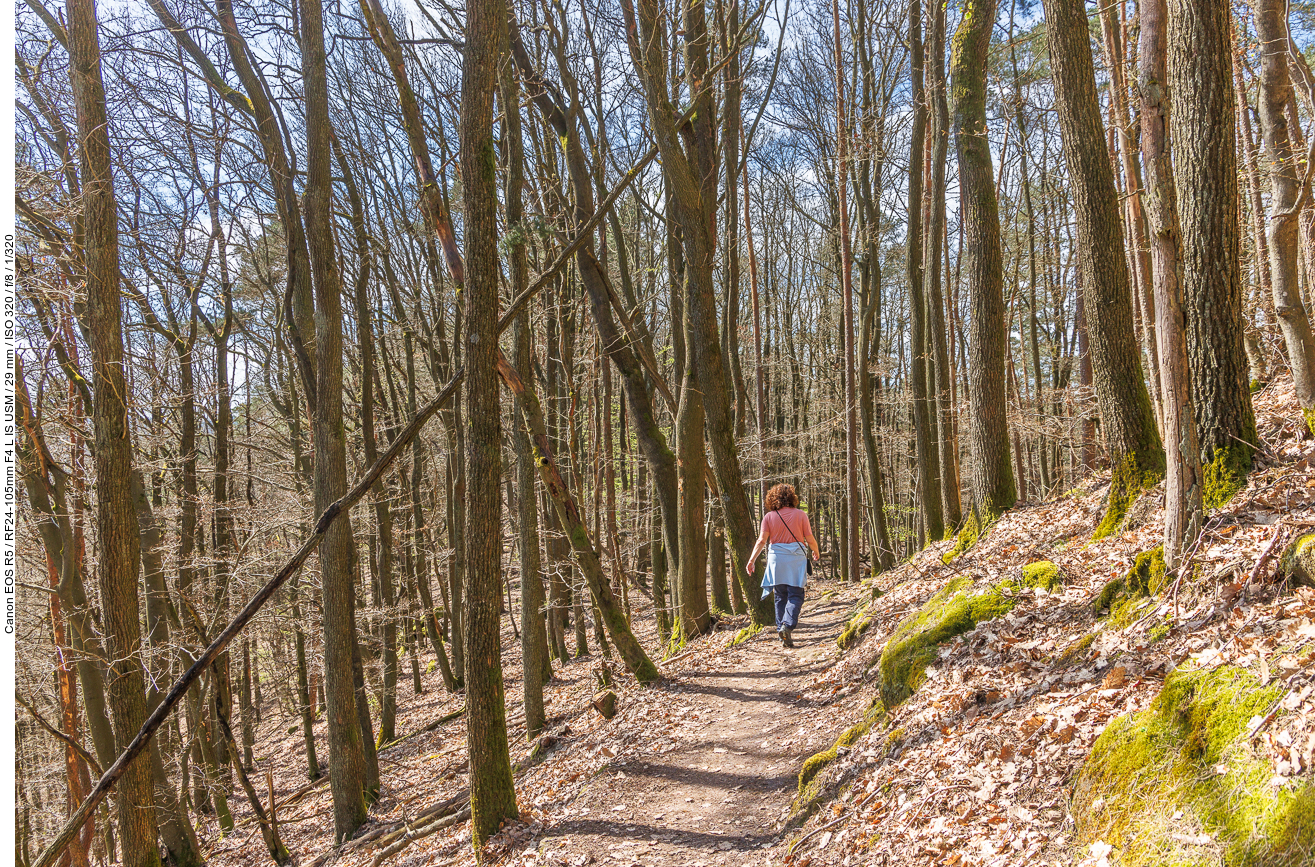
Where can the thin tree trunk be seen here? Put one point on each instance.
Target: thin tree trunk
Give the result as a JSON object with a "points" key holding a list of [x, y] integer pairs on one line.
{"points": [[1183, 490], [994, 488], [1275, 93]]}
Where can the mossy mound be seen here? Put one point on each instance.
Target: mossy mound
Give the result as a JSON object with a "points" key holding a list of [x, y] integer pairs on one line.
{"points": [[1309, 415], [969, 533], [1044, 575], [745, 634], [854, 629], [1297, 564], [1076, 651], [1121, 597], [816, 762], [1128, 482], [1225, 475], [1179, 783], [952, 611]]}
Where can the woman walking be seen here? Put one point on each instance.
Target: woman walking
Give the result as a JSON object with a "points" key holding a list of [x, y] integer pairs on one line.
{"points": [[785, 530]]}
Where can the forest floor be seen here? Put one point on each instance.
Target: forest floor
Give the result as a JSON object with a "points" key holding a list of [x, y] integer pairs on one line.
{"points": [[975, 768]]}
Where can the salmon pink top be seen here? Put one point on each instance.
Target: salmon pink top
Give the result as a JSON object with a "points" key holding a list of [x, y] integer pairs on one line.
{"points": [[775, 525]]}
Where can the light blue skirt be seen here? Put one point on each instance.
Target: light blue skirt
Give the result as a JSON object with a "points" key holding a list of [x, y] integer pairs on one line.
{"points": [[787, 563]]}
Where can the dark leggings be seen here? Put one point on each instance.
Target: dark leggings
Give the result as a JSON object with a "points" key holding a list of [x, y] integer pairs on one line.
{"points": [[788, 602]]}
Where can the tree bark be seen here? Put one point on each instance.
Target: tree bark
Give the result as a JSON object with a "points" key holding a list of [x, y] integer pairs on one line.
{"points": [[116, 521], [492, 792], [993, 481], [347, 768], [924, 432], [1204, 130], [1183, 490], [1125, 405], [1275, 94]]}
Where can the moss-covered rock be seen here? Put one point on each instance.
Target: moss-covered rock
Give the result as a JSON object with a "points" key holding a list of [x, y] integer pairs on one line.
{"points": [[854, 629], [1179, 783], [1297, 564], [952, 611], [1308, 413], [1225, 475], [1121, 597], [1128, 482], [1044, 575], [969, 533]]}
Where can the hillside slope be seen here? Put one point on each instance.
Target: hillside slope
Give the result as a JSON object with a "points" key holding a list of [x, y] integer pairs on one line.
{"points": [[941, 714]]}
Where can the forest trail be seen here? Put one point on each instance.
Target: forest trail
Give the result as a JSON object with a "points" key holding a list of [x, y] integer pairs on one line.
{"points": [[717, 788]]}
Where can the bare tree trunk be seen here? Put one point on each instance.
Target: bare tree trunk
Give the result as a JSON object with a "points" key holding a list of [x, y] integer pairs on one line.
{"points": [[1275, 93], [994, 488], [116, 522], [1183, 491], [1204, 130], [347, 768], [1125, 404], [492, 792]]}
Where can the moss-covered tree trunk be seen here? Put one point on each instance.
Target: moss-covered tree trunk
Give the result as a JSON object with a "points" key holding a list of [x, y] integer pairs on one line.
{"points": [[994, 489], [1125, 405], [1203, 127]]}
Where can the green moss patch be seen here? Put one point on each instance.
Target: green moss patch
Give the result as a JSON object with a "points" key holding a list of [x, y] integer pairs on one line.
{"points": [[745, 634], [1297, 563], [1179, 783], [968, 535], [1075, 651], [1308, 413], [952, 611], [1127, 483], [816, 762], [1044, 575], [854, 629], [1225, 474], [1121, 597]]}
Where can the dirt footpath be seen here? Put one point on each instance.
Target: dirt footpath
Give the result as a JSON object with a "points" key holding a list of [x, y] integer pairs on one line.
{"points": [[714, 783]]}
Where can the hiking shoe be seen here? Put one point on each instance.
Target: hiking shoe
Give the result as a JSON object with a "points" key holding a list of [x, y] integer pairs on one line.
{"points": [[785, 637]]}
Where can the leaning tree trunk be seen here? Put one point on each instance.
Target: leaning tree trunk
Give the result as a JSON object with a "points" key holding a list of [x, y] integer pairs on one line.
{"points": [[993, 479], [1183, 505], [1203, 127], [492, 792], [1125, 404], [1275, 94]]}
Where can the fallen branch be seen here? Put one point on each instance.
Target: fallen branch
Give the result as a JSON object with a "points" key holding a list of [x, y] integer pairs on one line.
{"points": [[416, 834]]}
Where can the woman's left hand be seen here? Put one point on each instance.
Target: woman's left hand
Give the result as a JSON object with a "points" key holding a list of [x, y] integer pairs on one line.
{"points": [[748, 570]]}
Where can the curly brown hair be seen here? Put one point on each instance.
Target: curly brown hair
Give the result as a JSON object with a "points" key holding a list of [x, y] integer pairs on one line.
{"points": [[782, 496]]}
